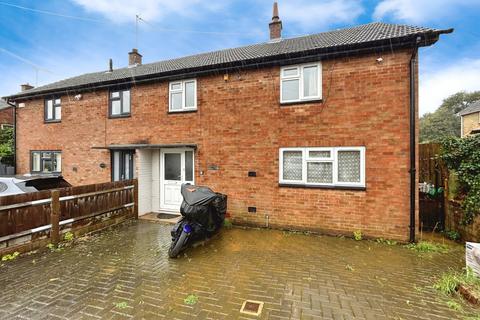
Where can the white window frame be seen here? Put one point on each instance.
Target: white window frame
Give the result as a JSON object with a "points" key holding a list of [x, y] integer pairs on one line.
{"points": [[299, 77], [55, 105], [333, 158], [56, 163], [184, 96]]}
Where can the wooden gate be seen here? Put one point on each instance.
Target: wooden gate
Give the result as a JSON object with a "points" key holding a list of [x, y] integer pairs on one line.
{"points": [[432, 175]]}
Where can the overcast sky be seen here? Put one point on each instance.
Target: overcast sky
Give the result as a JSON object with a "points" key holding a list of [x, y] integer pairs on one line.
{"points": [[64, 38]]}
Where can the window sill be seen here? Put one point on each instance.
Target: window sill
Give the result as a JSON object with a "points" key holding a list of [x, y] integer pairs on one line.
{"points": [[52, 121], [45, 174], [182, 111], [307, 186], [301, 102], [119, 116]]}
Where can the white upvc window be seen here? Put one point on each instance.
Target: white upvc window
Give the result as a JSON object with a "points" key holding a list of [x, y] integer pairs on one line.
{"points": [[338, 166], [301, 83], [53, 110], [46, 161], [182, 95]]}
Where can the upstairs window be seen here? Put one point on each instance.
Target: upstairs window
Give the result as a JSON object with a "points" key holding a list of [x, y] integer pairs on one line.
{"points": [[53, 110], [342, 166], [46, 161], [119, 103], [183, 95], [301, 83]]}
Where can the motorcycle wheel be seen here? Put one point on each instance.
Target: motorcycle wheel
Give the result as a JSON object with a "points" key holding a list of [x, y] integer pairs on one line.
{"points": [[177, 246]]}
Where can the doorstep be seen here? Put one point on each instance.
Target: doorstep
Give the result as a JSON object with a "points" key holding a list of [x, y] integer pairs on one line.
{"points": [[154, 217]]}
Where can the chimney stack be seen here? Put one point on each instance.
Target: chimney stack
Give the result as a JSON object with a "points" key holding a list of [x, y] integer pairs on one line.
{"points": [[26, 86], [276, 24], [134, 58]]}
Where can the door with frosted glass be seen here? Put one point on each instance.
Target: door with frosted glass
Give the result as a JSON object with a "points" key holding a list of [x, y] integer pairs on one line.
{"points": [[176, 168]]}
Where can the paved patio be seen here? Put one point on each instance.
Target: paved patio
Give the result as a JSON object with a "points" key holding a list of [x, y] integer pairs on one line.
{"points": [[125, 273]]}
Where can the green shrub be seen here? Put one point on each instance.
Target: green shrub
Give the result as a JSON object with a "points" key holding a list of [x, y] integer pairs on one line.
{"points": [[462, 155], [452, 235]]}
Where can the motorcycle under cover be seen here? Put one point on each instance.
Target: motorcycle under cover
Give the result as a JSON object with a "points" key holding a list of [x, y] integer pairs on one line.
{"points": [[203, 205], [197, 195]]}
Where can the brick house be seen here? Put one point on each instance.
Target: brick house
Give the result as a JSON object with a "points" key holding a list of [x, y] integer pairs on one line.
{"points": [[315, 133], [470, 119], [6, 114]]}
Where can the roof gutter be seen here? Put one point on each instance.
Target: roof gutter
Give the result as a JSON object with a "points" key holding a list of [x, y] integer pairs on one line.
{"points": [[428, 38]]}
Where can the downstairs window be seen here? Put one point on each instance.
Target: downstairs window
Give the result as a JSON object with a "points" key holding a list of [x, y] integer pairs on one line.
{"points": [[46, 161], [123, 165], [340, 166]]}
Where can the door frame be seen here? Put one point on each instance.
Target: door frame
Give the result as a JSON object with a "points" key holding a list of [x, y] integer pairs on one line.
{"points": [[163, 151]]}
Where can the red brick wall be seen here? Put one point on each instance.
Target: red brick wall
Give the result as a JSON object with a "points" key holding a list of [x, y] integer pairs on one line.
{"points": [[6, 116], [240, 126]]}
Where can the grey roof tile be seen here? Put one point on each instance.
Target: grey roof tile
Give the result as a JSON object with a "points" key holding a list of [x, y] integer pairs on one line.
{"points": [[321, 42], [472, 108], [4, 104]]}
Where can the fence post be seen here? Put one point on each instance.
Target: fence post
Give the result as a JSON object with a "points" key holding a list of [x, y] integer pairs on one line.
{"points": [[135, 198], [55, 217], [446, 191]]}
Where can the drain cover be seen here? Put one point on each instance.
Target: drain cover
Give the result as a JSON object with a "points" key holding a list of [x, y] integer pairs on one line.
{"points": [[252, 307], [166, 216]]}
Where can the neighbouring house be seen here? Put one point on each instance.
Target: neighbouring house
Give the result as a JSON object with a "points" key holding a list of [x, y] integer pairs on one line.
{"points": [[470, 119], [6, 114], [316, 132]]}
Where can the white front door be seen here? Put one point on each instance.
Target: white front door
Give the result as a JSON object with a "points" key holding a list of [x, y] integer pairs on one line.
{"points": [[176, 168]]}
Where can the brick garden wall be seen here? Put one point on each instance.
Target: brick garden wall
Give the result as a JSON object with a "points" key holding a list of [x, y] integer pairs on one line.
{"points": [[240, 126]]}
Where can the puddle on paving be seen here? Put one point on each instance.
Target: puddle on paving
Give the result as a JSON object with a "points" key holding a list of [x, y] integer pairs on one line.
{"points": [[291, 273]]}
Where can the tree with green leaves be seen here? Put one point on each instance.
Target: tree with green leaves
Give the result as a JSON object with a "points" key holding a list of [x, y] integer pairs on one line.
{"points": [[6, 145], [445, 122]]}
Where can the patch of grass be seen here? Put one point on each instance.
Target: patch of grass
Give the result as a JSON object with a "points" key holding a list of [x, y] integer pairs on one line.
{"points": [[357, 235], [386, 241], [349, 267], [68, 236], [425, 246], [12, 256], [121, 305], [449, 281], [454, 305], [54, 248], [227, 223], [191, 299]]}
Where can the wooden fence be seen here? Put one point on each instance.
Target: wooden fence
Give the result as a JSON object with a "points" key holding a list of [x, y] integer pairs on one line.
{"points": [[34, 215], [433, 171], [431, 167]]}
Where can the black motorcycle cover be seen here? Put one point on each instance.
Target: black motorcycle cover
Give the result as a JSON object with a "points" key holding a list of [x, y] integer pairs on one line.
{"points": [[197, 195], [203, 205]]}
